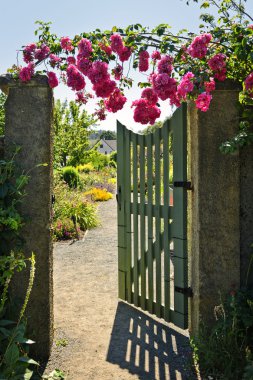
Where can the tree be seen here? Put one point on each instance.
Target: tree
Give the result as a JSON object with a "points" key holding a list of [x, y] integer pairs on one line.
{"points": [[152, 128], [71, 127], [108, 135], [2, 113]]}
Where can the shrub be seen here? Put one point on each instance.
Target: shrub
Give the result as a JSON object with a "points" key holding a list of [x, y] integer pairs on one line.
{"points": [[113, 156], [85, 216], [70, 176], [86, 168], [112, 164], [72, 212], [225, 351], [64, 229], [97, 159], [99, 195], [112, 181]]}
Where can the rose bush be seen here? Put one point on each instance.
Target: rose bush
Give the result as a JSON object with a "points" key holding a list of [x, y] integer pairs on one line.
{"points": [[175, 66]]}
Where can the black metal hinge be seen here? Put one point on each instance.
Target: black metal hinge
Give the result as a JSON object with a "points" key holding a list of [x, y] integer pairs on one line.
{"points": [[118, 197], [186, 291], [185, 184]]}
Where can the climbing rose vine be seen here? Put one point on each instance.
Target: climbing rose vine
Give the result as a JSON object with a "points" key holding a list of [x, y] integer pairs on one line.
{"points": [[175, 67]]}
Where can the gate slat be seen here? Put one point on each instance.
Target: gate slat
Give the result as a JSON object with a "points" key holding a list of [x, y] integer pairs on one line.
{"points": [[142, 221], [121, 215], [158, 221], [166, 197], [150, 221], [180, 216], [128, 215], [135, 220]]}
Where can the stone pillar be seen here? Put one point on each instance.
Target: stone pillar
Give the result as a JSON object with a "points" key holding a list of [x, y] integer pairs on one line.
{"points": [[214, 204], [29, 109], [246, 214]]}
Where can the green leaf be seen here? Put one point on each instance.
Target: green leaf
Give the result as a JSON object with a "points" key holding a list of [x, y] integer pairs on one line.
{"points": [[244, 42], [28, 374], [11, 355], [6, 333], [6, 322], [205, 4], [25, 359]]}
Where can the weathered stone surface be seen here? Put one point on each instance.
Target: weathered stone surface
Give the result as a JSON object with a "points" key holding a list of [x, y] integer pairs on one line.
{"points": [[28, 125], [246, 213], [215, 202]]}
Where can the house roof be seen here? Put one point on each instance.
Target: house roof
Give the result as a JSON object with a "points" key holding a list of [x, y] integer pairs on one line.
{"points": [[112, 144]]}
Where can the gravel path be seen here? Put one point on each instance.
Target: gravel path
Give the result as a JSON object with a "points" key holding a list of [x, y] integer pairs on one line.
{"points": [[99, 337]]}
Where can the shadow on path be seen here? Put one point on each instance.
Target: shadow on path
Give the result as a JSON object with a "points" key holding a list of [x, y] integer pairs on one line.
{"points": [[148, 348]]}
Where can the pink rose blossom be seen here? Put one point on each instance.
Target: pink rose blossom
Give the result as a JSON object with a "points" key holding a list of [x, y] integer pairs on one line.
{"points": [[71, 60], [175, 100], [75, 80], [52, 79], [221, 75], [105, 88], [116, 101], [156, 55], [66, 44], [54, 60], [143, 61], [117, 72], [164, 86], [125, 54], [203, 101], [84, 65], [217, 62], [42, 52], [100, 113], [150, 95], [98, 72], [210, 86], [198, 47], [28, 52], [117, 44], [249, 84], [165, 65], [85, 48], [80, 97], [145, 112], [186, 85], [26, 73]]}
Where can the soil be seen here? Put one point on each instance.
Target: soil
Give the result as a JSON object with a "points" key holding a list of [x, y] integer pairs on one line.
{"points": [[98, 336]]}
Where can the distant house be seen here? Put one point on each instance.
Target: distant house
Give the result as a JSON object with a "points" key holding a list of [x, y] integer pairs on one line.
{"points": [[104, 146]]}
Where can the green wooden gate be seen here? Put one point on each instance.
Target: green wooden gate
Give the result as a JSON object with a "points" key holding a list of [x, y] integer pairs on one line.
{"points": [[152, 219]]}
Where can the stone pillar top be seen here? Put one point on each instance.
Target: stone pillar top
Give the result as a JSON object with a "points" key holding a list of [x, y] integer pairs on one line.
{"points": [[7, 81], [228, 85]]}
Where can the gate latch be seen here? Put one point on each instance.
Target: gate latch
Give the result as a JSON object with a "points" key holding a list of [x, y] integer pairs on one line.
{"points": [[186, 291], [185, 184]]}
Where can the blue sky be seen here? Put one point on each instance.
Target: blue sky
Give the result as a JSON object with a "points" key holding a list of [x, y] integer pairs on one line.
{"points": [[72, 17]]}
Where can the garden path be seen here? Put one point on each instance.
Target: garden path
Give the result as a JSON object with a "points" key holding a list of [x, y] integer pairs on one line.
{"points": [[98, 336]]}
